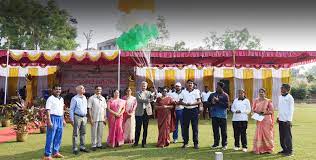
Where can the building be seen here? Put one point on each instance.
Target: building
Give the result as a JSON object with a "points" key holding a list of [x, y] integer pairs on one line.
{"points": [[107, 45]]}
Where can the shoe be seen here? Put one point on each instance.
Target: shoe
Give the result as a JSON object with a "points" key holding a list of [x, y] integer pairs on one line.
{"points": [[76, 152], [175, 141], [245, 150], [144, 146], [85, 150], [281, 152], [214, 146], [185, 146], [93, 148], [236, 148], [101, 147], [58, 155], [134, 145], [288, 154], [47, 158], [224, 148], [196, 146]]}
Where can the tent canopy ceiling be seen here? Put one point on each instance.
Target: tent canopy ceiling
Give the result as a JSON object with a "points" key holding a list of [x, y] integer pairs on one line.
{"points": [[241, 58]]}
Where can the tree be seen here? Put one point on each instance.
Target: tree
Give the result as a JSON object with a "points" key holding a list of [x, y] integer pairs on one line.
{"points": [[232, 40], [311, 71], [32, 24], [88, 37], [310, 78], [159, 43], [162, 27], [179, 46]]}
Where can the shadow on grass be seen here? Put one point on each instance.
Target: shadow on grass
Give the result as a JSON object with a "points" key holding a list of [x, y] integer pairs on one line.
{"points": [[150, 152]]}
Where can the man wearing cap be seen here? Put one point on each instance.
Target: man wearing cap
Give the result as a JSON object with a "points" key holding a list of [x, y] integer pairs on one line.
{"points": [[179, 111]]}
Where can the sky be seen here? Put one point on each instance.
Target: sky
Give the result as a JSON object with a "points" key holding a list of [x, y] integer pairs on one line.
{"points": [[281, 25]]}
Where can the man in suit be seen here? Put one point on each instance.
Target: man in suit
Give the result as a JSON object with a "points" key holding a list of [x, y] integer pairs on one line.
{"points": [[143, 111]]}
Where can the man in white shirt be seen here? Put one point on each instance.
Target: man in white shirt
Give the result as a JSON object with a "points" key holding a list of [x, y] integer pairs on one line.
{"points": [[179, 112], [285, 117], [191, 100], [97, 111], [205, 96], [55, 123]]}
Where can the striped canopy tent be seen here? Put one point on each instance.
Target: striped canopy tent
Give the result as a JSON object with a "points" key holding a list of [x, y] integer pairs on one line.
{"points": [[249, 79], [241, 68], [43, 67]]}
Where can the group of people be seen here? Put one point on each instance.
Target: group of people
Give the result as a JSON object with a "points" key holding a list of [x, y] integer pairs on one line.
{"points": [[127, 116]]}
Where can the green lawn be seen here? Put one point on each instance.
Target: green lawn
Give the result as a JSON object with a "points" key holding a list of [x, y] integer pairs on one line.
{"points": [[304, 129]]}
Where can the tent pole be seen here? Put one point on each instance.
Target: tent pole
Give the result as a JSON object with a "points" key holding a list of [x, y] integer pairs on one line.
{"points": [[7, 75], [119, 71]]}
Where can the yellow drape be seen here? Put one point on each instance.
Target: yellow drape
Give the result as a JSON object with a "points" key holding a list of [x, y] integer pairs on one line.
{"points": [[189, 74], [51, 77], [286, 76], [170, 77], [267, 82], [150, 77], [208, 78], [34, 73], [229, 75], [29, 94], [248, 83], [13, 81]]}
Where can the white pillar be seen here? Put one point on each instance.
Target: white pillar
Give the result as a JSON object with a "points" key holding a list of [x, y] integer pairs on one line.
{"points": [[6, 77], [219, 156]]}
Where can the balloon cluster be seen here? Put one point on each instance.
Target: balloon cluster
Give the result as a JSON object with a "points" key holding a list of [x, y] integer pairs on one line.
{"points": [[137, 37]]}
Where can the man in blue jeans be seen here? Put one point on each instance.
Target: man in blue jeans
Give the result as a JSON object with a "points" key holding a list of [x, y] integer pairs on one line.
{"points": [[179, 111]]}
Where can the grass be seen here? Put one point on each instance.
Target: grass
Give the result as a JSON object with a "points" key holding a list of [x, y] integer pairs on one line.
{"points": [[304, 129]]}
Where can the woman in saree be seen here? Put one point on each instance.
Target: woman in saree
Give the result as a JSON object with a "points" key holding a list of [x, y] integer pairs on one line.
{"points": [[116, 108], [166, 118], [129, 117], [264, 136]]}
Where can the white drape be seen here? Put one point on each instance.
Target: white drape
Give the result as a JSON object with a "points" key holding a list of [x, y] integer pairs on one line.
{"points": [[22, 80], [198, 78], [3, 73], [180, 76], [42, 81], [277, 83], [238, 80], [160, 77], [218, 75]]}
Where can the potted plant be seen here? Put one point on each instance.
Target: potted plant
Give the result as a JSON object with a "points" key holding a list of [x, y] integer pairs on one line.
{"points": [[22, 120], [7, 112], [41, 119], [40, 113]]}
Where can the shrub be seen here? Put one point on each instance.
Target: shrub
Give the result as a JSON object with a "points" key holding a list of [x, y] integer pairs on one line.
{"points": [[299, 92]]}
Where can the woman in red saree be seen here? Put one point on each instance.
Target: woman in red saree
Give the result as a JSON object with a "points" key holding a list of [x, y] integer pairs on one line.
{"points": [[116, 108], [264, 136], [129, 123], [166, 118]]}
